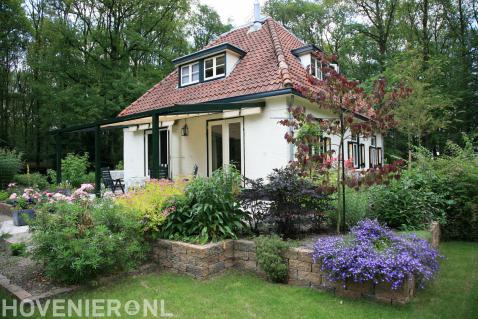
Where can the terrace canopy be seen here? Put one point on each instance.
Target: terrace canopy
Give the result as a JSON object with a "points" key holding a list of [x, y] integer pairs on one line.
{"points": [[178, 111]]}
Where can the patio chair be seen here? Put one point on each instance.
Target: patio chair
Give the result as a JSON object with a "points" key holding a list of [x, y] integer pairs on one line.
{"points": [[111, 183]]}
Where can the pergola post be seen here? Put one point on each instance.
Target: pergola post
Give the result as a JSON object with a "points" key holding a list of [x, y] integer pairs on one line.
{"points": [[58, 158], [155, 161], [98, 161]]}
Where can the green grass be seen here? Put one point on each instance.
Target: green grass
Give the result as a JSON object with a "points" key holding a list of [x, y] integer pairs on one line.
{"points": [[454, 294]]}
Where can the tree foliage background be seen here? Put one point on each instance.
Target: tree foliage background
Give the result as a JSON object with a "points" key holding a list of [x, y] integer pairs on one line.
{"points": [[67, 62]]}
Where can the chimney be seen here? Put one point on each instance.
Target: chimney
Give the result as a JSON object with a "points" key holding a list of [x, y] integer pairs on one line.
{"points": [[257, 11], [257, 23]]}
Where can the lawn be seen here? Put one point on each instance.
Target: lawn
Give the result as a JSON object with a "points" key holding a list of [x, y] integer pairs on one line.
{"points": [[236, 295]]}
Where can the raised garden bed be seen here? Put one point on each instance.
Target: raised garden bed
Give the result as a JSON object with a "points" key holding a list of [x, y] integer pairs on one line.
{"points": [[204, 261]]}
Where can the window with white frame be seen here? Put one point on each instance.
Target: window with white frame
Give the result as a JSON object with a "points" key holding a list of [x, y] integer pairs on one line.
{"points": [[354, 151], [316, 68], [375, 153], [190, 74], [323, 148], [214, 67]]}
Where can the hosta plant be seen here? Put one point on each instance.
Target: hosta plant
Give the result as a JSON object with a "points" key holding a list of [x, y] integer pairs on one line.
{"points": [[372, 252]]}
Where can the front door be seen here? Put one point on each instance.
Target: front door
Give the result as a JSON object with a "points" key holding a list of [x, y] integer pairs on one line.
{"points": [[163, 152], [225, 144]]}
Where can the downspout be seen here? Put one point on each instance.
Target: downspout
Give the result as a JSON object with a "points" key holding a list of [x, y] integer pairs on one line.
{"points": [[290, 102]]}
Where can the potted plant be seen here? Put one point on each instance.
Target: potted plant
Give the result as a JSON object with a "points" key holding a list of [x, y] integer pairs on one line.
{"points": [[25, 203]]}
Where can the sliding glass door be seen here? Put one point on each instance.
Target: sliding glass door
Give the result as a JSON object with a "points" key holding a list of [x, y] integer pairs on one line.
{"points": [[225, 144]]}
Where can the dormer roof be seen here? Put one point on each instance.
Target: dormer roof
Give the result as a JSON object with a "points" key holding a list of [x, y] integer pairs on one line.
{"points": [[267, 64]]}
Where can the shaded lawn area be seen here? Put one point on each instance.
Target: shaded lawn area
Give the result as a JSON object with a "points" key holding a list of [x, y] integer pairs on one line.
{"points": [[236, 295]]}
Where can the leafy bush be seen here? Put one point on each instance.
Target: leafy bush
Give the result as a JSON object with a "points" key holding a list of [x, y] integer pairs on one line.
{"points": [[149, 204], [10, 164], [3, 196], [35, 180], [208, 211], [252, 199], [374, 253], [51, 175], [120, 166], [457, 182], [18, 249], [269, 253], [78, 241], [357, 208], [295, 200], [410, 202], [74, 169]]}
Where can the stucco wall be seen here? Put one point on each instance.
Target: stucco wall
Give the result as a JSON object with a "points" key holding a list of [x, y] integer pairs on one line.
{"points": [[264, 145]]}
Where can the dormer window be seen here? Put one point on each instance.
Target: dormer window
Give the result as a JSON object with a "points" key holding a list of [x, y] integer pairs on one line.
{"points": [[316, 68], [190, 74], [208, 64], [214, 67]]}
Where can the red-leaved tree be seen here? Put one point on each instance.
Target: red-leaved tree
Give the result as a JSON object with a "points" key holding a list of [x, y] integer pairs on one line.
{"points": [[354, 112]]}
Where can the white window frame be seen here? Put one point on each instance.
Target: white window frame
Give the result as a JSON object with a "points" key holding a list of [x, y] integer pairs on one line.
{"points": [[316, 66], [189, 68], [214, 67], [225, 142]]}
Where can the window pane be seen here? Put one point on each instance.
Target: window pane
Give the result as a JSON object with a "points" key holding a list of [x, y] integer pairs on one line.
{"points": [[209, 73], [235, 145], [195, 77], [195, 67], [220, 70], [185, 79], [216, 146], [312, 66], [185, 70], [220, 60], [208, 64]]}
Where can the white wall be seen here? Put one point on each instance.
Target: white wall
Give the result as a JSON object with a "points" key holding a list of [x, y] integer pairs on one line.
{"points": [[265, 145]]}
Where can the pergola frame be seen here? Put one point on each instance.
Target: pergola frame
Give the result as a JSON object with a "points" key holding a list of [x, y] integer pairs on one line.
{"points": [[178, 109]]}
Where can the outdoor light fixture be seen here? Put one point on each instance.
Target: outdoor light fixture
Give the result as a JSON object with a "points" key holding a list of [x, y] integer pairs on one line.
{"points": [[185, 129]]}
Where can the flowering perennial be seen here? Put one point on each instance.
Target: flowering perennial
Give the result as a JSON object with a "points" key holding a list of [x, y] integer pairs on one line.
{"points": [[372, 252]]}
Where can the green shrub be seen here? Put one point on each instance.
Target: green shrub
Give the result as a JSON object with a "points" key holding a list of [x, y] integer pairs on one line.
{"points": [[51, 175], [78, 241], [208, 211], [357, 204], [269, 254], [18, 249], [119, 166], [10, 164], [149, 204], [75, 168], [458, 183], [35, 180], [4, 196], [409, 203]]}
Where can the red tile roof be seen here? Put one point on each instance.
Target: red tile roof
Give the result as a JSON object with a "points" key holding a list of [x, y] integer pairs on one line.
{"points": [[268, 65]]}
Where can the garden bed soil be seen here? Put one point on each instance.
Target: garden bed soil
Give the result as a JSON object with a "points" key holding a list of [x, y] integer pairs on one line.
{"points": [[27, 274]]}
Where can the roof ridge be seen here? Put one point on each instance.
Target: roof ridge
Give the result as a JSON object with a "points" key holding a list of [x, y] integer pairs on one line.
{"points": [[283, 67]]}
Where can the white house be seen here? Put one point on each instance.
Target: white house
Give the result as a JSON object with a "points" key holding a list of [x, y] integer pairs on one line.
{"points": [[221, 105]]}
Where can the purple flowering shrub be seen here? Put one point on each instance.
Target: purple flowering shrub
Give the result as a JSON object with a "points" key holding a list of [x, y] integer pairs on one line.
{"points": [[372, 252]]}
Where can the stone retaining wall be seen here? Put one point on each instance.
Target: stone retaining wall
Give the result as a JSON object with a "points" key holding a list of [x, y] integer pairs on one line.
{"points": [[204, 261]]}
